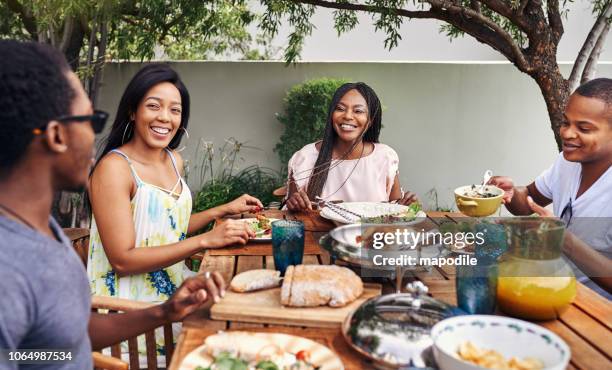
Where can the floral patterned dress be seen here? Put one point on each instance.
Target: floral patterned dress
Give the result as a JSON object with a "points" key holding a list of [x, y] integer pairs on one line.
{"points": [[159, 218]]}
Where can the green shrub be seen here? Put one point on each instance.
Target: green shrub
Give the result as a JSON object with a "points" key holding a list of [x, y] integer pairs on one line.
{"points": [[305, 115], [254, 180], [215, 169]]}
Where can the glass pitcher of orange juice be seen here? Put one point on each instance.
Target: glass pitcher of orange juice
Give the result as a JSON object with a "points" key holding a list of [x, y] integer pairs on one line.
{"points": [[534, 281]]}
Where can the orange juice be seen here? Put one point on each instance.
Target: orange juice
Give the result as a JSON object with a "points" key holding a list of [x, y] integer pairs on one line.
{"points": [[534, 281], [535, 298]]}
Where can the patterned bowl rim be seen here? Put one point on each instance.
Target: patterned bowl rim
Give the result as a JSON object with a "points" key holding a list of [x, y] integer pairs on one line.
{"points": [[520, 326]]}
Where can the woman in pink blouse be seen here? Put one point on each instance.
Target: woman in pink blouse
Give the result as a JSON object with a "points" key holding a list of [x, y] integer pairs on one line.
{"points": [[349, 164]]}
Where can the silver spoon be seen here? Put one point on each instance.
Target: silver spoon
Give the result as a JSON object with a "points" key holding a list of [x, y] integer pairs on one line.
{"points": [[485, 179]]}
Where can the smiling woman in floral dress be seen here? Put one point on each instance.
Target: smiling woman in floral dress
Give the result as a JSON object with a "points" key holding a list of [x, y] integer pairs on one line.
{"points": [[141, 204]]}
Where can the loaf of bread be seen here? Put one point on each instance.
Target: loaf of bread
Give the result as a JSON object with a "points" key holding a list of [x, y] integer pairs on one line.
{"points": [[252, 280], [320, 285]]}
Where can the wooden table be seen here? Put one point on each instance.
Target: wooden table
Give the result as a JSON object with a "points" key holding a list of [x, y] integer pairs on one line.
{"points": [[586, 326]]}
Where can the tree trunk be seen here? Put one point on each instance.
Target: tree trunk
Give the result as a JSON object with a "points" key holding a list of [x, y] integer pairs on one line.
{"points": [[555, 90], [74, 46], [99, 63]]}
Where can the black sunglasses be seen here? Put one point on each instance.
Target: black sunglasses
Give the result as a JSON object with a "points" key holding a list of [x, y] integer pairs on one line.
{"points": [[567, 210], [97, 119]]}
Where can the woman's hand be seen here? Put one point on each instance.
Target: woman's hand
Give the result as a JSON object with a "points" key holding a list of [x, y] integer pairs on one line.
{"points": [[299, 201], [506, 184], [192, 294], [227, 232], [408, 198], [242, 204]]}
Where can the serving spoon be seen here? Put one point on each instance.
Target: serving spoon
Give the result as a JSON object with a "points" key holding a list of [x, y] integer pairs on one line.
{"points": [[485, 179]]}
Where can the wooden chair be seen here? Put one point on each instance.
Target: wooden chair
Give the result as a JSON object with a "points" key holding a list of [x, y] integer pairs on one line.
{"points": [[280, 192], [103, 362], [80, 242]]}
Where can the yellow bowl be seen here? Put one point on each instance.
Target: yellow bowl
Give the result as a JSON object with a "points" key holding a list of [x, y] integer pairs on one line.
{"points": [[478, 207]]}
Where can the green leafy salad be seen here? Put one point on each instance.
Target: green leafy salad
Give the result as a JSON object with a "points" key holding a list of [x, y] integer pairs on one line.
{"points": [[226, 361], [406, 216]]}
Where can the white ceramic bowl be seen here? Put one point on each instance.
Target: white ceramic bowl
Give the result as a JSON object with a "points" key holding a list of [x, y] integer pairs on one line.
{"points": [[510, 337]]}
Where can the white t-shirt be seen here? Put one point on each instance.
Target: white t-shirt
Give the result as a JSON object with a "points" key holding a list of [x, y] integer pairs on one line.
{"points": [[591, 219]]}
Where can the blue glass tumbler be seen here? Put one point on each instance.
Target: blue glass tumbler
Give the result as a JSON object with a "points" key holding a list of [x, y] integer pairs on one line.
{"points": [[477, 288], [287, 244]]}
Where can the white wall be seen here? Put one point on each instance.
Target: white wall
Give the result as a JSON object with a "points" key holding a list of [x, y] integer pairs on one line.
{"points": [[448, 122]]}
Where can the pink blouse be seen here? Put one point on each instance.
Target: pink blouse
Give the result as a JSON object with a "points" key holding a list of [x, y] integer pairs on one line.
{"points": [[368, 179]]}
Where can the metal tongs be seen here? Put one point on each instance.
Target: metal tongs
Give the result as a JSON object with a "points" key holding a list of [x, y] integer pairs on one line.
{"points": [[349, 216]]}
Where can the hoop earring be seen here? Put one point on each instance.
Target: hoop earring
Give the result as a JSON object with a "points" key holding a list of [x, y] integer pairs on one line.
{"points": [[124, 132], [184, 146], [186, 133]]}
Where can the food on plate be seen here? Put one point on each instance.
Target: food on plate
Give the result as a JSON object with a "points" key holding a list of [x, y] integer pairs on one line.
{"points": [[475, 192], [261, 225], [264, 222], [248, 351], [252, 280], [411, 213], [491, 359], [320, 285], [405, 216], [397, 218]]}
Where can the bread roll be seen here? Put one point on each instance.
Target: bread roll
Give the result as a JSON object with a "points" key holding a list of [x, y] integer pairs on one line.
{"points": [[252, 280], [319, 285]]}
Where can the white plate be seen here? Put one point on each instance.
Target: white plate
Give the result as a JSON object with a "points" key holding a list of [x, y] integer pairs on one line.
{"points": [[319, 354], [347, 235], [366, 209], [260, 237], [510, 337]]}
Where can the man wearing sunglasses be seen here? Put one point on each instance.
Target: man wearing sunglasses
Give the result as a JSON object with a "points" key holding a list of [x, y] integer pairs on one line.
{"points": [[47, 128], [578, 184]]}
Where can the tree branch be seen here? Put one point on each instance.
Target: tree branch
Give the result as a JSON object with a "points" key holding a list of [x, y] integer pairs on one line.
{"points": [[588, 46], [169, 25], [100, 60], [503, 8], [67, 33], [53, 36], [523, 6], [591, 66], [554, 19], [475, 5], [129, 20], [443, 10], [423, 14], [515, 56], [480, 32], [29, 22]]}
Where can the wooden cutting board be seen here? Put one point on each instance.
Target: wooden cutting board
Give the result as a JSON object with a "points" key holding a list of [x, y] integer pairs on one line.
{"points": [[264, 307]]}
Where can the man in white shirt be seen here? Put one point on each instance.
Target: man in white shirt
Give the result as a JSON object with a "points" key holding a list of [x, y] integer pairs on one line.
{"points": [[579, 185]]}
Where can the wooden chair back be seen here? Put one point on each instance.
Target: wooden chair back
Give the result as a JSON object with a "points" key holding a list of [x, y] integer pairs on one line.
{"points": [[102, 362], [80, 241], [280, 192]]}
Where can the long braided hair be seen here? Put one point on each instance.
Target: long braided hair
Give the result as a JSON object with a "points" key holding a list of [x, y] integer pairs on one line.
{"points": [[319, 176]]}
